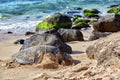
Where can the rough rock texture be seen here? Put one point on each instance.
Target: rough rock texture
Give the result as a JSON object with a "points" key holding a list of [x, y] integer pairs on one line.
{"points": [[71, 35], [106, 50], [108, 23], [47, 39], [46, 56], [96, 35]]}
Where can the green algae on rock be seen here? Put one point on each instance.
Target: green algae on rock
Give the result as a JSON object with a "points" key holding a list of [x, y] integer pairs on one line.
{"points": [[55, 21], [115, 10], [80, 23], [91, 13]]}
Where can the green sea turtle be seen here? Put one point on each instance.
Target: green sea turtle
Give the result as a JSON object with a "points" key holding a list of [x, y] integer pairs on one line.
{"points": [[32, 54], [36, 54]]}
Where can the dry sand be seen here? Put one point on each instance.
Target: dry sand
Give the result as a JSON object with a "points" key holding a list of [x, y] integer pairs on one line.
{"points": [[85, 69]]}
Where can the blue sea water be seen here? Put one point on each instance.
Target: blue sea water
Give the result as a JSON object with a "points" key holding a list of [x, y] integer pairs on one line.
{"points": [[24, 15]]}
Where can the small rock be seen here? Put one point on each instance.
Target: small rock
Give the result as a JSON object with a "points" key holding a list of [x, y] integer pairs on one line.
{"points": [[78, 8], [19, 41], [9, 32], [96, 35], [29, 33], [114, 5]]}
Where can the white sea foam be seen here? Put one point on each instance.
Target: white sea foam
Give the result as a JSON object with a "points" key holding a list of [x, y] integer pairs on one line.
{"points": [[20, 27]]}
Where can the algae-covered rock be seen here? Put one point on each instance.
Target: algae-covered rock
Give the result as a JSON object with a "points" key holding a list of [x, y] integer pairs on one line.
{"points": [[115, 10], [93, 20], [55, 21], [80, 23], [91, 13]]}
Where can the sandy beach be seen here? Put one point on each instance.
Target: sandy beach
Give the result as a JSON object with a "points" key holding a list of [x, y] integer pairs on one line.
{"points": [[85, 69], [72, 40]]}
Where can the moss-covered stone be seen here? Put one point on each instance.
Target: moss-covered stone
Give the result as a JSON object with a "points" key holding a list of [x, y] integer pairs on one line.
{"points": [[118, 12], [115, 10], [81, 20], [91, 13], [80, 23], [55, 21], [93, 20]]}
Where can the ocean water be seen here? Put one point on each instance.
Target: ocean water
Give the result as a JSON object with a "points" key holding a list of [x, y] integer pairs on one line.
{"points": [[24, 15]]}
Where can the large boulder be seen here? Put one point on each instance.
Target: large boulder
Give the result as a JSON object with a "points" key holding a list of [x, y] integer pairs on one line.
{"points": [[96, 35], [71, 35], [46, 56], [47, 39], [108, 23], [55, 21], [106, 50]]}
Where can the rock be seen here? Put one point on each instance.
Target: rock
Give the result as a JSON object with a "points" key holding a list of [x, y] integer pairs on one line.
{"points": [[29, 33], [91, 13], [93, 20], [55, 21], [115, 10], [45, 55], [77, 15], [106, 50], [46, 39], [72, 12], [71, 35], [9, 32], [114, 5], [108, 23], [50, 31], [19, 41], [80, 23], [96, 35], [78, 8]]}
